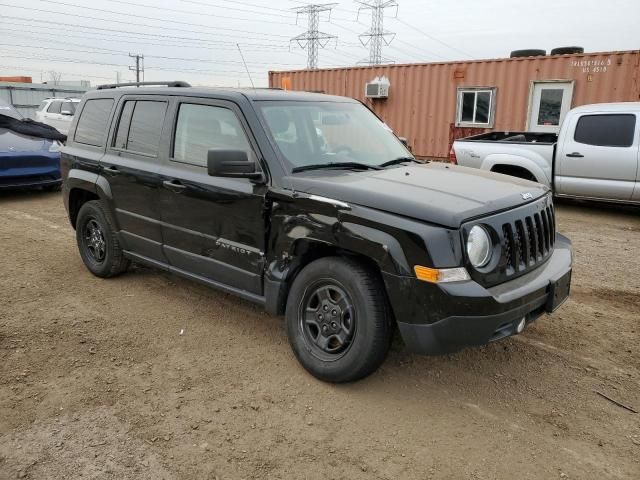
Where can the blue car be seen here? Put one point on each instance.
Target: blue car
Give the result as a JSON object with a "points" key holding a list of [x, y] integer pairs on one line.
{"points": [[26, 158]]}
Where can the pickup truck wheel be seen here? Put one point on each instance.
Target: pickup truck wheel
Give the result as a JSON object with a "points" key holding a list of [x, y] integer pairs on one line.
{"points": [[337, 321], [97, 241]]}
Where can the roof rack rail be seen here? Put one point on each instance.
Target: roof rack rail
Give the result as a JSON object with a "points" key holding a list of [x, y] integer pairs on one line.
{"points": [[177, 83]]}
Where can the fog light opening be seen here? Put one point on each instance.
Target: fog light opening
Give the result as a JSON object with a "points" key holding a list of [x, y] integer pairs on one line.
{"points": [[521, 324]]}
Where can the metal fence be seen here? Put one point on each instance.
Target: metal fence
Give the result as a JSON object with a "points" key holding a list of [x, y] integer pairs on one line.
{"points": [[26, 97]]}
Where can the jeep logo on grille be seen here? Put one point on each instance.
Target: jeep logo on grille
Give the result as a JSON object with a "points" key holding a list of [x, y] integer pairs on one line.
{"points": [[527, 196]]}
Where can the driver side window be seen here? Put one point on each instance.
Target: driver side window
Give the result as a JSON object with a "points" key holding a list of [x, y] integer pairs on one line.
{"points": [[200, 128]]}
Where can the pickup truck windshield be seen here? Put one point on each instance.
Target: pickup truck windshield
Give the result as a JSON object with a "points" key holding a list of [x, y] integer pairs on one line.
{"points": [[318, 134]]}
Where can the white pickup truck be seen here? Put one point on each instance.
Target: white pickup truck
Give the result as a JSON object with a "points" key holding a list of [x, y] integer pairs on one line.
{"points": [[595, 156]]}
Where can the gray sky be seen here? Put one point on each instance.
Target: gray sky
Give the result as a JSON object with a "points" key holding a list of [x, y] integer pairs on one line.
{"points": [[195, 40]]}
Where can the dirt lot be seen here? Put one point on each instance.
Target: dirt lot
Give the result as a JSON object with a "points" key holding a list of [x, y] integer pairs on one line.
{"points": [[97, 381]]}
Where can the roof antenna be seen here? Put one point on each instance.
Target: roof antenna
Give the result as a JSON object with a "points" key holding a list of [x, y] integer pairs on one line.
{"points": [[245, 67]]}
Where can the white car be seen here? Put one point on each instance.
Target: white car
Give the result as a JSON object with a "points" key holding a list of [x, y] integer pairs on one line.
{"points": [[57, 112]]}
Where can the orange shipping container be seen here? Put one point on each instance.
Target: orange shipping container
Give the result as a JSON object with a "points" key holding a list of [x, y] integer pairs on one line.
{"points": [[16, 79], [431, 104]]}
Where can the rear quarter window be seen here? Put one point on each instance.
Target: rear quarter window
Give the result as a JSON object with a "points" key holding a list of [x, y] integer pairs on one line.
{"points": [[93, 123], [607, 130]]}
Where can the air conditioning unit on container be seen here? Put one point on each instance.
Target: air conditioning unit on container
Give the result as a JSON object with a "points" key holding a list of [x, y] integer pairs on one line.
{"points": [[378, 88]]}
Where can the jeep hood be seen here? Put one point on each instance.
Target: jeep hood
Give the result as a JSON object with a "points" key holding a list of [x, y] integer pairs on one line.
{"points": [[435, 192]]}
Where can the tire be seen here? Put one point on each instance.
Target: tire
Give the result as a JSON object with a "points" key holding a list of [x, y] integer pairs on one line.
{"points": [[531, 52], [357, 305], [98, 243], [567, 51]]}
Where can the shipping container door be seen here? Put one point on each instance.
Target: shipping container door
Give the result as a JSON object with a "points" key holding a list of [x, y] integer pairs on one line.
{"points": [[549, 103]]}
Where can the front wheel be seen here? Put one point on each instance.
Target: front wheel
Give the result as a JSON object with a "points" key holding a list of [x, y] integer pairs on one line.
{"points": [[337, 319]]}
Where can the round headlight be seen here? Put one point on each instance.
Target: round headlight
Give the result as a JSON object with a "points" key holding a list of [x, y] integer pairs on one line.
{"points": [[479, 247]]}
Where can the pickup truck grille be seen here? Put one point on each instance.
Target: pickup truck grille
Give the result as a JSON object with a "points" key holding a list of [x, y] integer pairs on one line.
{"points": [[526, 236], [529, 240]]}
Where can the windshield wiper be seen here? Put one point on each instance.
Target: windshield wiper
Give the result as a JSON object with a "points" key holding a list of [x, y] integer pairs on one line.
{"points": [[398, 160], [345, 165]]}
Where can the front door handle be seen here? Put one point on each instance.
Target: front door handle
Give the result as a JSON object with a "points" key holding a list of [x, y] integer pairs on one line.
{"points": [[575, 155], [174, 185], [111, 171]]}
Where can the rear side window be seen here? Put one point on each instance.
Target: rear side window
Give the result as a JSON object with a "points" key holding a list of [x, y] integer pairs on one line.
{"points": [[615, 130], [145, 127], [54, 107], [123, 125], [203, 127], [94, 122]]}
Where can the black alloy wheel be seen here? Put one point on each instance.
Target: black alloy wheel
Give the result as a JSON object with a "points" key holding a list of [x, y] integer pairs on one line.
{"points": [[94, 240], [327, 319], [337, 319], [98, 242]]}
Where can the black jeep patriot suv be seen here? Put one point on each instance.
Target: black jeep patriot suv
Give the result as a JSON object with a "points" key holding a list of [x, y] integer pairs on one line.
{"points": [[309, 205]]}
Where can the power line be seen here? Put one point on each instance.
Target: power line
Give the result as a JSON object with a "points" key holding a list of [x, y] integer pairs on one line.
{"points": [[23, 69], [107, 51], [359, 45], [431, 37], [336, 8], [288, 15], [267, 9], [227, 73], [121, 38], [140, 24], [313, 39], [119, 35], [201, 14], [376, 36]]}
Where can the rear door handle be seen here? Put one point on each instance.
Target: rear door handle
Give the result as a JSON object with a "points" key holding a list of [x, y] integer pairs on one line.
{"points": [[174, 185], [575, 155], [112, 171]]}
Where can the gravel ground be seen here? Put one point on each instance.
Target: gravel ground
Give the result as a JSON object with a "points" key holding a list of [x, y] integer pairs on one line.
{"points": [[97, 380]]}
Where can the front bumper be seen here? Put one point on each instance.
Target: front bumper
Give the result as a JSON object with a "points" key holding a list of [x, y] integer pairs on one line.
{"points": [[28, 169], [29, 182], [446, 317]]}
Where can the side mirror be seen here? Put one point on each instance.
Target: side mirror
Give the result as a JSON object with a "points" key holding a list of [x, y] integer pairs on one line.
{"points": [[231, 163]]}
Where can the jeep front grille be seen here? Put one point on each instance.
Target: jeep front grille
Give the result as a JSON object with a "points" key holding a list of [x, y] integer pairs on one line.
{"points": [[528, 241], [526, 236]]}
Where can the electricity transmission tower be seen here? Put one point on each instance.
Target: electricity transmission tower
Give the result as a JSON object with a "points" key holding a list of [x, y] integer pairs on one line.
{"points": [[139, 66], [312, 40], [376, 36]]}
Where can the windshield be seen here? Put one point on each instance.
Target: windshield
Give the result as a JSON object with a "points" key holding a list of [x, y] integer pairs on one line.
{"points": [[9, 110], [317, 133]]}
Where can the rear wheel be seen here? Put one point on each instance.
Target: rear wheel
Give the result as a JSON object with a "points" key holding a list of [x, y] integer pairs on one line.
{"points": [[97, 241], [337, 321]]}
